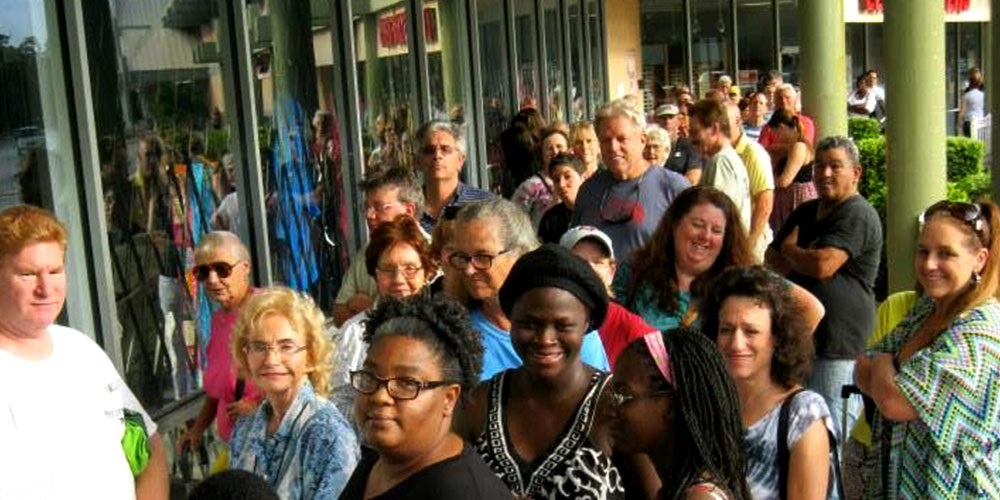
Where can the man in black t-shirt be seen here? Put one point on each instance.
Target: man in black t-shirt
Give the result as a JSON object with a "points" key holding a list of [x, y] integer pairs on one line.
{"points": [[831, 247], [684, 158]]}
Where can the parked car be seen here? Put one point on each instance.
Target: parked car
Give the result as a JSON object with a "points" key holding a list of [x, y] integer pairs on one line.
{"points": [[29, 138]]}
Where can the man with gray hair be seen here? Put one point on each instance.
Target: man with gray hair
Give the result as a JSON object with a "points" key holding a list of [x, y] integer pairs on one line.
{"points": [[831, 247], [389, 193], [627, 200], [489, 237], [441, 155]]}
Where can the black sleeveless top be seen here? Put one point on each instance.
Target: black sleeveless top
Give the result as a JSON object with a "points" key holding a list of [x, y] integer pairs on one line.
{"points": [[572, 468], [805, 173]]}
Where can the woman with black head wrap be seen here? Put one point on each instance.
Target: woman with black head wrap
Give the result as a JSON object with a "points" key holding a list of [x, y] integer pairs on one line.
{"points": [[535, 425]]}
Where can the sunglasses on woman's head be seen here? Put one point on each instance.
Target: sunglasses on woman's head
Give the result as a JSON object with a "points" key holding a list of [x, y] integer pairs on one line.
{"points": [[970, 213], [222, 270]]}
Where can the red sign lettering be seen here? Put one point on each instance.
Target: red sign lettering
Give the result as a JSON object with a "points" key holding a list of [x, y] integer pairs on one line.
{"points": [[392, 30], [950, 6]]}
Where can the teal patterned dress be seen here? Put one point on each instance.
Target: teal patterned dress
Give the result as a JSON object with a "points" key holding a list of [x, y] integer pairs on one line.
{"points": [[952, 450]]}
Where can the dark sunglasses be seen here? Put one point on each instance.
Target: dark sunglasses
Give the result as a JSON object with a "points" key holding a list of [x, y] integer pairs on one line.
{"points": [[970, 213], [222, 270]]}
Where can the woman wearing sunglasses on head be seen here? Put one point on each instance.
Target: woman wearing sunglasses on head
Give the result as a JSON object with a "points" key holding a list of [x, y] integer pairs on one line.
{"points": [[422, 362], [399, 258], [673, 400], [297, 440], [222, 265], [934, 378]]}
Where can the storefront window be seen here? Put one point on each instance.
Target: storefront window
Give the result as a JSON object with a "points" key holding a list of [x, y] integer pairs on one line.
{"points": [[855, 50], [496, 77], [663, 54], [711, 53], [526, 49], [301, 151], [385, 81], [163, 134], [788, 18], [37, 163], [595, 27], [447, 56], [576, 62], [756, 42], [553, 61]]}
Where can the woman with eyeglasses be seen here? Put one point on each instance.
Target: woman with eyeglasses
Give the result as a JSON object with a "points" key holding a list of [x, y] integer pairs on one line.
{"points": [[764, 338], [535, 425], [699, 237], [222, 265], [400, 259], [296, 440], [490, 236], [422, 362], [673, 400], [934, 378]]}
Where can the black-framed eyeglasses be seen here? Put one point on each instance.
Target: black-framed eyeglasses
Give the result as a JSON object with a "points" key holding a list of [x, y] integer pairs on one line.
{"points": [[620, 399], [620, 212], [222, 269], [479, 261], [399, 388], [970, 213]]}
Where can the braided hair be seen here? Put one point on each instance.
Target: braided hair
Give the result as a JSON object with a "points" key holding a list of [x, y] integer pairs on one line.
{"points": [[709, 430], [442, 324]]}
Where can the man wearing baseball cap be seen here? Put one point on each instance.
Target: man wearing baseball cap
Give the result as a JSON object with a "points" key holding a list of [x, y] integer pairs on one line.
{"points": [[620, 327], [684, 158]]}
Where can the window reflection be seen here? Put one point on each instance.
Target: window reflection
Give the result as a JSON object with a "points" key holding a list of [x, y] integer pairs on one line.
{"points": [[386, 84], [526, 46], [496, 81], [710, 31], [163, 132], [301, 150], [553, 61], [663, 61]]}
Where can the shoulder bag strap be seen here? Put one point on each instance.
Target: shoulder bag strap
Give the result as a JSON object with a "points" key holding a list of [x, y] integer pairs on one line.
{"points": [[783, 451]]}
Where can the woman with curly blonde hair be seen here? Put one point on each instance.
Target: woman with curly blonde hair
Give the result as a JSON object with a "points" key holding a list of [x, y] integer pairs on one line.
{"points": [[297, 440]]}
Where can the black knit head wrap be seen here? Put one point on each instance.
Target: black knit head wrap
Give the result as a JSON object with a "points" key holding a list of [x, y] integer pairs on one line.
{"points": [[553, 266]]}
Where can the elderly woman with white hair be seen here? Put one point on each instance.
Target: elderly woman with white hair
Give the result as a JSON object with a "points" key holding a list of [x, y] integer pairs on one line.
{"points": [[490, 236], [297, 440], [222, 265], [657, 150]]}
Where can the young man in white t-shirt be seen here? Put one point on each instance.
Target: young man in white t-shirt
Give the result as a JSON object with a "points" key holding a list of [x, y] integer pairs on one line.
{"points": [[62, 403]]}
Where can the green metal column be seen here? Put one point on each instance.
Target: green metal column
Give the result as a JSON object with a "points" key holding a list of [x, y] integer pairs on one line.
{"points": [[915, 127], [992, 58], [824, 65]]}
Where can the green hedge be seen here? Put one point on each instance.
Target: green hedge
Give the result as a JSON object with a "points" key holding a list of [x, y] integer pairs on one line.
{"points": [[863, 128], [968, 180]]}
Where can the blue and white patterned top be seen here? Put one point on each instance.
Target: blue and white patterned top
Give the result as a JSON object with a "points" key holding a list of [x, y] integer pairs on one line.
{"points": [[761, 442], [311, 455]]}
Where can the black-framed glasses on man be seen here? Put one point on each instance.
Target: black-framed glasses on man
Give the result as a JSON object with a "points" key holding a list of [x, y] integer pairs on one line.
{"points": [[479, 261], [399, 388]]}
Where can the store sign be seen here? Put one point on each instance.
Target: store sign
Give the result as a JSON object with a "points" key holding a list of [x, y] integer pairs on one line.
{"points": [[393, 31], [956, 11]]}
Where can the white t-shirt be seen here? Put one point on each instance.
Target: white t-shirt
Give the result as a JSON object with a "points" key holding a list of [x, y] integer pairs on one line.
{"points": [[868, 101], [61, 423]]}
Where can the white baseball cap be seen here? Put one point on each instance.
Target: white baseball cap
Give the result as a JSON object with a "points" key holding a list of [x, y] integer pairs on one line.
{"points": [[578, 233]]}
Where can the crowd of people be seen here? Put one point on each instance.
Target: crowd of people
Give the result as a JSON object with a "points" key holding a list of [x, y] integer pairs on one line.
{"points": [[646, 310]]}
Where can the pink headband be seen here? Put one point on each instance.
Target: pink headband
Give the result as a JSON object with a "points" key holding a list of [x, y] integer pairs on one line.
{"points": [[654, 341]]}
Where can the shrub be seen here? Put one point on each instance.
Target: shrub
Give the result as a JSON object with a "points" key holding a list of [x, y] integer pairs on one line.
{"points": [[872, 185], [863, 128], [975, 187], [965, 157]]}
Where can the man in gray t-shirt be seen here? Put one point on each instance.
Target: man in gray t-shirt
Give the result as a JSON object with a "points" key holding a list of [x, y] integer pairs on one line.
{"points": [[627, 200]]}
